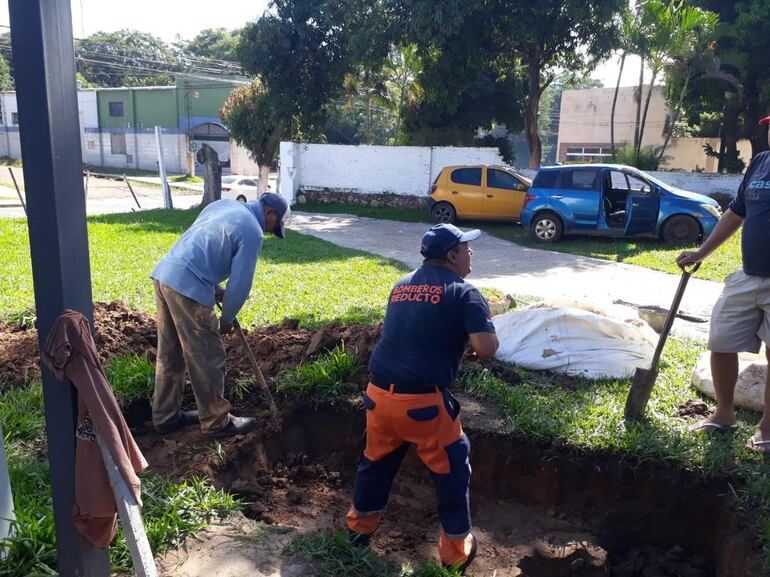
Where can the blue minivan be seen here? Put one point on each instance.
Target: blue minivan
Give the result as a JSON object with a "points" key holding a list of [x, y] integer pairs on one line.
{"points": [[614, 200]]}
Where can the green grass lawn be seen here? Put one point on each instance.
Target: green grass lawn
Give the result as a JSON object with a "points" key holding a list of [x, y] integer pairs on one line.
{"points": [[642, 252], [301, 277]]}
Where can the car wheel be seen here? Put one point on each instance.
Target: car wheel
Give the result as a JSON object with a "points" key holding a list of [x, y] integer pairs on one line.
{"points": [[546, 227], [443, 212], [241, 198], [681, 229]]}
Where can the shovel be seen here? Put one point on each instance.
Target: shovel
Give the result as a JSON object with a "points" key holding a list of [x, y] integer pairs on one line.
{"points": [[644, 379], [254, 366]]}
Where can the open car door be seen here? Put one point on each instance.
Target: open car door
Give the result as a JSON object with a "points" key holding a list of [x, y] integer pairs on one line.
{"points": [[642, 206]]}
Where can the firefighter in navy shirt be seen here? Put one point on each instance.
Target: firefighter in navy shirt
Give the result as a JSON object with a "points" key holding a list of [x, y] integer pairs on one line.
{"points": [[431, 316], [741, 317]]}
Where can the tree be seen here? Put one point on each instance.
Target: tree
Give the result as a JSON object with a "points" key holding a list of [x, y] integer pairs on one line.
{"points": [[125, 58], [691, 55], [254, 124], [626, 41], [549, 35], [467, 81], [213, 44], [741, 70], [6, 80], [301, 51]]}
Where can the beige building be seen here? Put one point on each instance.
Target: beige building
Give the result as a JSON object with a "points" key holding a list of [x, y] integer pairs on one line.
{"points": [[584, 129], [584, 123]]}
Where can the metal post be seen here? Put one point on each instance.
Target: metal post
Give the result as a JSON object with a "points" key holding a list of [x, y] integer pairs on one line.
{"points": [[6, 498], [50, 144], [18, 192], [131, 190], [167, 202]]}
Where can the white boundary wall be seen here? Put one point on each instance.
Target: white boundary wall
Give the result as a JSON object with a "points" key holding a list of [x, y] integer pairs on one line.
{"points": [[407, 170]]}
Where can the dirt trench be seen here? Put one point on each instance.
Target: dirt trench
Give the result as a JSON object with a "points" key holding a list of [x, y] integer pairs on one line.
{"points": [[537, 510]]}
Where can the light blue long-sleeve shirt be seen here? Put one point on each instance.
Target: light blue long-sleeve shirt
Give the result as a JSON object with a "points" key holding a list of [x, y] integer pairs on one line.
{"points": [[223, 243]]}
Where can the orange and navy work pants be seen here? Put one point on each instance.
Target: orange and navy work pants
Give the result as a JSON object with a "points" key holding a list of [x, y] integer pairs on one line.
{"points": [[430, 421]]}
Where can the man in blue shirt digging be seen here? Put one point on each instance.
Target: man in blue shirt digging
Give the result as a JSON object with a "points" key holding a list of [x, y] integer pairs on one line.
{"points": [[223, 243]]}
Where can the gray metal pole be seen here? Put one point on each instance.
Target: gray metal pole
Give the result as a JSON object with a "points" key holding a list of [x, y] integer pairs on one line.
{"points": [[50, 144], [6, 497]]}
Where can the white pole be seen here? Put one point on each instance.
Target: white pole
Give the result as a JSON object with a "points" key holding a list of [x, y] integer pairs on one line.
{"points": [[167, 202], [130, 518], [6, 498]]}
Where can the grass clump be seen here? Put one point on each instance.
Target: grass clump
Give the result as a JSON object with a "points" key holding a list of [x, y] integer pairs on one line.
{"points": [[25, 319], [171, 512], [21, 412], [190, 178], [132, 377], [321, 380], [338, 558]]}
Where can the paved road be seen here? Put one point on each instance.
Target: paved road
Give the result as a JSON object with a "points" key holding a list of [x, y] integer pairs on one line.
{"points": [[9, 209], [520, 270]]}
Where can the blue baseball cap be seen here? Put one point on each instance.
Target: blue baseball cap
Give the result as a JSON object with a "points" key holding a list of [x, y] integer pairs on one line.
{"points": [[281, 207], [441, 238]]}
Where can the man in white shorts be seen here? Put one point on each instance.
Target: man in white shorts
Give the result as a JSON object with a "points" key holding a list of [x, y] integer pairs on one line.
{"points": [[741, 317]]}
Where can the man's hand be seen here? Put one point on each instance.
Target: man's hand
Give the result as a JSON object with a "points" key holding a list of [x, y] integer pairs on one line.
{"points": [[686, 258], [225, 328]]}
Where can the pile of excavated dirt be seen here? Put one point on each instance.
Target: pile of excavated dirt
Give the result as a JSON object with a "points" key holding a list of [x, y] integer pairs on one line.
{"points": [[120, 330]]}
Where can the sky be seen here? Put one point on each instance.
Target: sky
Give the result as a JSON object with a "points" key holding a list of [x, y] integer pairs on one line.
{"points": [[169, 19]]}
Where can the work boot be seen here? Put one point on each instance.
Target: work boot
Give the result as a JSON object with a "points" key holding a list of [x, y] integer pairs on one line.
{"points": [[184, 419], [471, 547], [236, 426], [358, 539]]}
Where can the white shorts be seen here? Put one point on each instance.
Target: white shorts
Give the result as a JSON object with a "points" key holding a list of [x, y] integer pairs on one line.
{"points": [[740, 320]]}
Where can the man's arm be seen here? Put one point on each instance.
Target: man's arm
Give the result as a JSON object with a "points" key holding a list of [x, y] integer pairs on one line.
{"points": [[484, 344], [725, 228]]}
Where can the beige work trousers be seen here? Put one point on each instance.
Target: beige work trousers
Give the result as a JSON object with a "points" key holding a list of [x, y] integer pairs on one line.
{"points": [[188, 338]]}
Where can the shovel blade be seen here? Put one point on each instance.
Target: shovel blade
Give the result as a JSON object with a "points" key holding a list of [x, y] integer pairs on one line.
{"points": [[641, 387]]}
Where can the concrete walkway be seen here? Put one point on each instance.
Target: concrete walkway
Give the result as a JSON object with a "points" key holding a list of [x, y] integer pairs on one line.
{"points": [[519, 270]]}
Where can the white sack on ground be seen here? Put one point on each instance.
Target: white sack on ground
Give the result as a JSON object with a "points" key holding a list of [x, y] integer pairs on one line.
{"points": [[575, 341], [752, 377]]}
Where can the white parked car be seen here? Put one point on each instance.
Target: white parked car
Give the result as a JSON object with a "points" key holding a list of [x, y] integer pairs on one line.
{"points": [[241, 188]]}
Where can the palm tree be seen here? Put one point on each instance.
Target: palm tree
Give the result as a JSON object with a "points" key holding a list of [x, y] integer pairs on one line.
{"points": [[658, 25], [625, 45], [692, 54]]}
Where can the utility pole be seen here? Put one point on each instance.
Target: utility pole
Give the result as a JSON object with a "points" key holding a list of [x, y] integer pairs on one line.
{"points": [[50, 143]]}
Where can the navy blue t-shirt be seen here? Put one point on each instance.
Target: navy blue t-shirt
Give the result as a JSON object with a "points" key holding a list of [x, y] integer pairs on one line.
{"points": [[431, 311], [753, 204]]}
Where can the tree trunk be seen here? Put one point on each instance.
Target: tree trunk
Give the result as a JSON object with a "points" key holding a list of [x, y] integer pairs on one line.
{"points": [[675, 117], [265, 158], [757, 134], [264, 177], [729, 136], [534, 91], [614, 103], [639, 106], [646, 108], [212, 174]]}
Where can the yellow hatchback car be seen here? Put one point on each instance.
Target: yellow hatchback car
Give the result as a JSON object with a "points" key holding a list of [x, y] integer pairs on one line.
{"points": [[477, 192]]}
